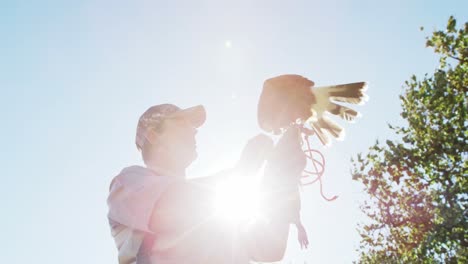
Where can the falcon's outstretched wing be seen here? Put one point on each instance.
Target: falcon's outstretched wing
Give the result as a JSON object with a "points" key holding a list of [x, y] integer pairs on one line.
{"points": [[327, 98], [288, 98]]}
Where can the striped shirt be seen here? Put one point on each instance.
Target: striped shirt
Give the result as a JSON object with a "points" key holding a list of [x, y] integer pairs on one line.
{"points": [[132, 196]]}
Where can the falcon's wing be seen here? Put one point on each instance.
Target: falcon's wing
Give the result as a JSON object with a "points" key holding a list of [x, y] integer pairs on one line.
{"points": [[326, 101]]}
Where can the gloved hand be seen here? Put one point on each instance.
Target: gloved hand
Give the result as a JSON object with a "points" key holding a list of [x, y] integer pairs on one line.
{"points": [[282, 177], [254, 154], [288, 159]]}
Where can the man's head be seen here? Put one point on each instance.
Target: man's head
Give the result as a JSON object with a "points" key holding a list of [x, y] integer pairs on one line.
{"points": [[166, 133]]}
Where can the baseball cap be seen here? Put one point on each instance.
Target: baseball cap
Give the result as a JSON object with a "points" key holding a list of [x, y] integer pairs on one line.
{"points": [[155, 115]]}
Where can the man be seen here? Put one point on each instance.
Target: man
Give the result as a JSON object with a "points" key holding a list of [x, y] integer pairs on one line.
{"points": [[157, 216]]}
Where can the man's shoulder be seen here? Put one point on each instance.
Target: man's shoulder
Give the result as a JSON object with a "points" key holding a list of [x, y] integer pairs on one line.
{"points": [[137, 175], [136, 171], [133, 194]]}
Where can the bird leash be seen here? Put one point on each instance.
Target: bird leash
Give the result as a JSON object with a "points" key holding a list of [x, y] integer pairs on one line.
{"points": [[317, 161]]}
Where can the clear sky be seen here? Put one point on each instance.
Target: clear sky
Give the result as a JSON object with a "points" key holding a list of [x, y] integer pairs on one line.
{"points": [[76, 75]]}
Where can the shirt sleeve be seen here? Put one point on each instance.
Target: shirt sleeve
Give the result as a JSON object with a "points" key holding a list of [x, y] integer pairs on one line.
{"points": [[132, 198]]}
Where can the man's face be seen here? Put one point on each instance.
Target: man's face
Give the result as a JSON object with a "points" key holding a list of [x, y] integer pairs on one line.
{"points": [[178, 139]]}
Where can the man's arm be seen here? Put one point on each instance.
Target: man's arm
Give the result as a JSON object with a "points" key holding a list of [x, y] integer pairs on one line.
{"points": [[266, 240], [187, 203]]}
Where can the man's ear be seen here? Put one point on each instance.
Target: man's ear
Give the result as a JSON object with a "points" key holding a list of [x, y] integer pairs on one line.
{"points": [[151, 136]]}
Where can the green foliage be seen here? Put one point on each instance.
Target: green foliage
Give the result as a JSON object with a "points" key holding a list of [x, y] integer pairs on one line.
{"points": [[418, 186]]}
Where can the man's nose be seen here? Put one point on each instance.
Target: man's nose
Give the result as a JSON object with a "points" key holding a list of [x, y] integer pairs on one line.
{"points": [[192, 130]]}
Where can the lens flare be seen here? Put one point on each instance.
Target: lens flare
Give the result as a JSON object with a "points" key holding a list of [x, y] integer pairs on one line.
{"points": [[237, 201]]}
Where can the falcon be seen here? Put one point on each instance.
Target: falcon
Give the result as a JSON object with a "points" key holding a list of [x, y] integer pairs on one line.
{"points": [[292, 99]]}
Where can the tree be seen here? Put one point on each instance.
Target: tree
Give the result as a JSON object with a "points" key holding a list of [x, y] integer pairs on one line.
{"points": [[417, 185]]}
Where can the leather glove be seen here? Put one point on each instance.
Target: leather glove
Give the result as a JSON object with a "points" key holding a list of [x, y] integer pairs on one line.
{"points": [[254, 154], [282, 175], [288, 160]]}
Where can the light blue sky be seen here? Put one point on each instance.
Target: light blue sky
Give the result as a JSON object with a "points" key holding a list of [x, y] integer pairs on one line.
{"points": [[76, 75]]}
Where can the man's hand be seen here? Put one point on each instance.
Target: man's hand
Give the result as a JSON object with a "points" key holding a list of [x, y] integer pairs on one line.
{"points": [[254, 154], [288, 159], [282, 176]]}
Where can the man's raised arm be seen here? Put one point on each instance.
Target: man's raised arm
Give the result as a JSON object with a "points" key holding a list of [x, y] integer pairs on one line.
{"points": [[186, 203]]}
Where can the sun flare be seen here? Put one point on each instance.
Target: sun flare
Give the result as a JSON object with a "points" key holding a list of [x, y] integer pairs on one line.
{"points": [[237, 200]]}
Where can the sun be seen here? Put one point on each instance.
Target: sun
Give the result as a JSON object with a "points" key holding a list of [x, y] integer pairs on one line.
{"points": [[237, 201]]}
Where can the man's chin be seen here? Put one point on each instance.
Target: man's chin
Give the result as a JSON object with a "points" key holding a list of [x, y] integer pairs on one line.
{"points": [[194, 157], [191, 158], [186, 157]]}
